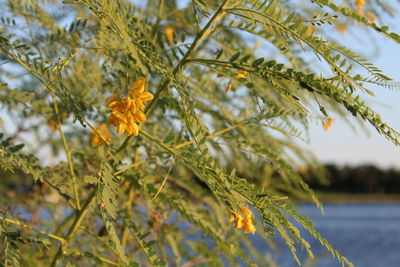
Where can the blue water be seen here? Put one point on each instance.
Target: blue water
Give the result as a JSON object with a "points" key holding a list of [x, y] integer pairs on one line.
{"points": [[367, 234]]}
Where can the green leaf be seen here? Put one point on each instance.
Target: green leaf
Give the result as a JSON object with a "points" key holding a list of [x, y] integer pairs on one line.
{"points": [[90, 179], [234, 57], [16, 148], [257, 62], [145, 246]]}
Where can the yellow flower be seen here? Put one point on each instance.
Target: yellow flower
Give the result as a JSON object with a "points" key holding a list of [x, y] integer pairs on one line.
{"points": [[309, 30], [231, 218], [328, 124], [245, 224], [341, 27], [239, 221], [128, 111], [241, 74], [303, 170], [170, 33], [360, 4], [124, 116], [248, 226], [95, 138], [245, 211], [138, 93]]}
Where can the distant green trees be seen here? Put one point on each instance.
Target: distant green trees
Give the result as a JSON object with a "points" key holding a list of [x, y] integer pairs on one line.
{"points": [[366, 179]]}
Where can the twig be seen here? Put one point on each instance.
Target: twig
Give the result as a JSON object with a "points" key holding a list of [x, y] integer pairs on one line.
{"points": [[69, 157], [164, 181], [59, 238], [133, 165], [77, 222], [220, 132]]}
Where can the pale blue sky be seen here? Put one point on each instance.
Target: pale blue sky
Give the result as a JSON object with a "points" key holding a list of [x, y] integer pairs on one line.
{"points": [[341, 144]]}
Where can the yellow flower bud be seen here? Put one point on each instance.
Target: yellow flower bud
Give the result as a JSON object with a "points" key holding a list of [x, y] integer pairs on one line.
{"points": [[328, 124], [170, 33], [241, 74], [360, 4]]}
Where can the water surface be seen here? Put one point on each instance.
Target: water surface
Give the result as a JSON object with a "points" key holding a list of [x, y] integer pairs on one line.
{"points": [[368, 234]]}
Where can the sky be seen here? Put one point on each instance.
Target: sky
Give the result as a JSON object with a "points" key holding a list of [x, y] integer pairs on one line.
{"points": [[341, 144]]}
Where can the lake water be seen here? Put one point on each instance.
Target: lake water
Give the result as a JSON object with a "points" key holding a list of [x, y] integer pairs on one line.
{"points": [[367, 234]]}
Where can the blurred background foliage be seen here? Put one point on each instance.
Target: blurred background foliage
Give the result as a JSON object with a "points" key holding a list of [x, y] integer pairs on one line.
{"points": [[236, 85]]}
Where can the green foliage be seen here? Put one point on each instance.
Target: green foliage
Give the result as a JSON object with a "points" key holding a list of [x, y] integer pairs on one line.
{"points": [[12, 160], [140, 238], [222, 131], [13, 242]]}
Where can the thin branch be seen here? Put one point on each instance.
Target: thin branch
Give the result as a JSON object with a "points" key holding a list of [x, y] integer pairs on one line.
{"points": [[59, 238], [77, 222], [164, 181], [220, 132], [69, 157], [133, 165]]}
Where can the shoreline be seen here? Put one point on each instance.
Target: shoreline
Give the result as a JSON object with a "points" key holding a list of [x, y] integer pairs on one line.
{"points": [[353, 198]]}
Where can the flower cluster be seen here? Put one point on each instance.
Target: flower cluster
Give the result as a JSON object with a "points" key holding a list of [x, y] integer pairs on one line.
{"points": [[170, 33], [360, 4], [328, 124], [341, 27], [246, 223], [96, 139], [128, 111]]}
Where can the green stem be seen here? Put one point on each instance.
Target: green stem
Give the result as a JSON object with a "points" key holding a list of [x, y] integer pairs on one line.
{"points": [[59, 238], [104, 259], [157, 141], [173, 149], [77, 222], [211, 136], [163, 182], [133, 165], [69, 157]]}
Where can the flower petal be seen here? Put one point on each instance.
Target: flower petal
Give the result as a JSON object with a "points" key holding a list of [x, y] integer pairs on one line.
{"points": [[121, 128], [140, 116], [146, 96], [139, 85]]}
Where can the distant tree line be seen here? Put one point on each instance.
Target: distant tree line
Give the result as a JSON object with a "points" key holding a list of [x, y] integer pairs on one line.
{"points": [[356, 179]]}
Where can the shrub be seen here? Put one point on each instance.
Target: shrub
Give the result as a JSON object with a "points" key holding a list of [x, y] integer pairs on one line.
{"points": [[144, 122]]}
